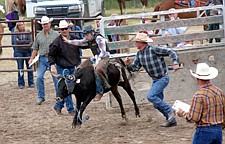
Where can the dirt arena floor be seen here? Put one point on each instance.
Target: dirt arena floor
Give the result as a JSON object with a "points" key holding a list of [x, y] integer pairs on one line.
{"points": [[23, 122]]}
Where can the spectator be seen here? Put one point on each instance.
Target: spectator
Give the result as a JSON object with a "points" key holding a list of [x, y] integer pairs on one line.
{"points": [[173, 31], [114, 37], [79, 35], [185, 44], [64, 56], [97, 43], [152, 59], [213, 26], [211, 3], [23, 39], [144, 21], [97, 23], [41, 47], [2, 25], [192, 3], [207, 108], [12, 15]]}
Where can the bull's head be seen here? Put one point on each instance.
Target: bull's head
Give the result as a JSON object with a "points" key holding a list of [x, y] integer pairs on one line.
{"points": [[65, 84]]}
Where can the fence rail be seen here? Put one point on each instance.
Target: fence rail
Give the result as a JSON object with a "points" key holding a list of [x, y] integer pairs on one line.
{"points": [[198, 21]]}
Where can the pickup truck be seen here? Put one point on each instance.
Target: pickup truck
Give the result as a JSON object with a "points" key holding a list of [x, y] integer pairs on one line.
{"points": [[64, 9]]}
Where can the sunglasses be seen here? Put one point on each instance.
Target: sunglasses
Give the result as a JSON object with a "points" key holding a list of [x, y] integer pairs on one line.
{"points": [[62, 29]]}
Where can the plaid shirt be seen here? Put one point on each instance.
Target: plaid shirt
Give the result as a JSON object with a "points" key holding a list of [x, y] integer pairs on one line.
{"points": [[152, 59], [207, 107]]}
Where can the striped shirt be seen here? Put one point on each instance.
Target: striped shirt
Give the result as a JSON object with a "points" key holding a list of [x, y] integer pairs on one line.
{"points": [[207, 107], [152, 59], [42, 41]]}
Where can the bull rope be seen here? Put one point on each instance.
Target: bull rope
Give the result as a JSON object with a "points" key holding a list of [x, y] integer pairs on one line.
{"points": [[87, 117]]}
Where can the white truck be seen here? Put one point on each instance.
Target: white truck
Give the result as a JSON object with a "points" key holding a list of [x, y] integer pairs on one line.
{"points": [[64, 9]]}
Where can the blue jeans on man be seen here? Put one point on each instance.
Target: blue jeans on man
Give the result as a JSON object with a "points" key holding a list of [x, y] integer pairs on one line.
{"points": [[208, 135], [43, 66], [68, 100], [20, 65], [156, 96]]}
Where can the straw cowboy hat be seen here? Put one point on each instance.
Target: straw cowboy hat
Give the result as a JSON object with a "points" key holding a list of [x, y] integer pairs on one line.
{"points": [[204, 72], [64, 24], [45, 20], [142, 37], [2, 9]]}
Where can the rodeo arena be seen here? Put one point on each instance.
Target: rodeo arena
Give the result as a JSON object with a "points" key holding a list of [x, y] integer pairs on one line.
{"points": [[126, 114]]}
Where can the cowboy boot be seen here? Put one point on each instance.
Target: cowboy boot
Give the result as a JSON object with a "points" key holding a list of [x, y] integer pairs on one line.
{"points": [[98, 97]]}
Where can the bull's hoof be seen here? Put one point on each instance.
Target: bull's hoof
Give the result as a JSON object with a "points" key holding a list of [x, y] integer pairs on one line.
{"points": [[75, 126], [137, 115]]}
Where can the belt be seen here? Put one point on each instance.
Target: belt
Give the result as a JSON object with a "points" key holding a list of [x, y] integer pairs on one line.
{"points": [[155, 78]]}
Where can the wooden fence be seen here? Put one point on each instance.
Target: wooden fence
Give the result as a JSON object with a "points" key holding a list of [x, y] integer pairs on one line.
{"points": [[162, 24], [33, 32]]}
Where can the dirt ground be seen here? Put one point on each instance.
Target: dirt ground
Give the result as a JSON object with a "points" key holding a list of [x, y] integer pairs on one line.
{"points": [[23, 122]]}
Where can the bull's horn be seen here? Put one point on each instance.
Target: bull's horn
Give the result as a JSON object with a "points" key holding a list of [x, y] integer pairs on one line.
{"points": [[58, 99]]}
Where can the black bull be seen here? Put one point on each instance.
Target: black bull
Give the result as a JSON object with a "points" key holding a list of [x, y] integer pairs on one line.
{"points": [[84, 89]]}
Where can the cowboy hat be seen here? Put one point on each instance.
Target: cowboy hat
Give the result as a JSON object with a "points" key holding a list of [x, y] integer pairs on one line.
{"points": [[142, 37], [204, 72], [172, 10], [2, 9], [45, 20], [64, 24]]}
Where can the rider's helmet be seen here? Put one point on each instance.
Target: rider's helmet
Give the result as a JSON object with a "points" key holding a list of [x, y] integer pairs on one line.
{"points": [[88, 29]]}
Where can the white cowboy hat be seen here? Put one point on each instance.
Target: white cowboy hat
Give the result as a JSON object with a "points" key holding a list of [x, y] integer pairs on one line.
{"points": [[45, 20], [64, 24], [2, 9], [204, 72], [142, 37], [172, 10]]}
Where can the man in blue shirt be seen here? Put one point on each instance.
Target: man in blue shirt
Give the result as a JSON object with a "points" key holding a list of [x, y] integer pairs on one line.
{"points": [[152, 59]]}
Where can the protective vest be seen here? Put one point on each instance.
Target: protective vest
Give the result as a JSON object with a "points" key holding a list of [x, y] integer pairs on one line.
{"points": [[94, 46]]}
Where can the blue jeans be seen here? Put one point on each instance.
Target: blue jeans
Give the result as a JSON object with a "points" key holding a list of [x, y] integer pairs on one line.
{"points": [[68, 100], [99, 85], [208, 135], [156, 96], [13, 40], [20, 65], [43, 66], [192, 3]]}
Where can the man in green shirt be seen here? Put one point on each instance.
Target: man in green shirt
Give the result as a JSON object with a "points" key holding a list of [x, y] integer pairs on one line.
{"points": [[41, 47]]}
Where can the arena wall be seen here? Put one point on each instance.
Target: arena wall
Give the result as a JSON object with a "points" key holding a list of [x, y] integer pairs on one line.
{"points": [[182, 86]]}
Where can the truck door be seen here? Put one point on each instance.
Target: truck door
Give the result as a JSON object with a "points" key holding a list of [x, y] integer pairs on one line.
{"points": [[30, 4], [92, 7]]}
